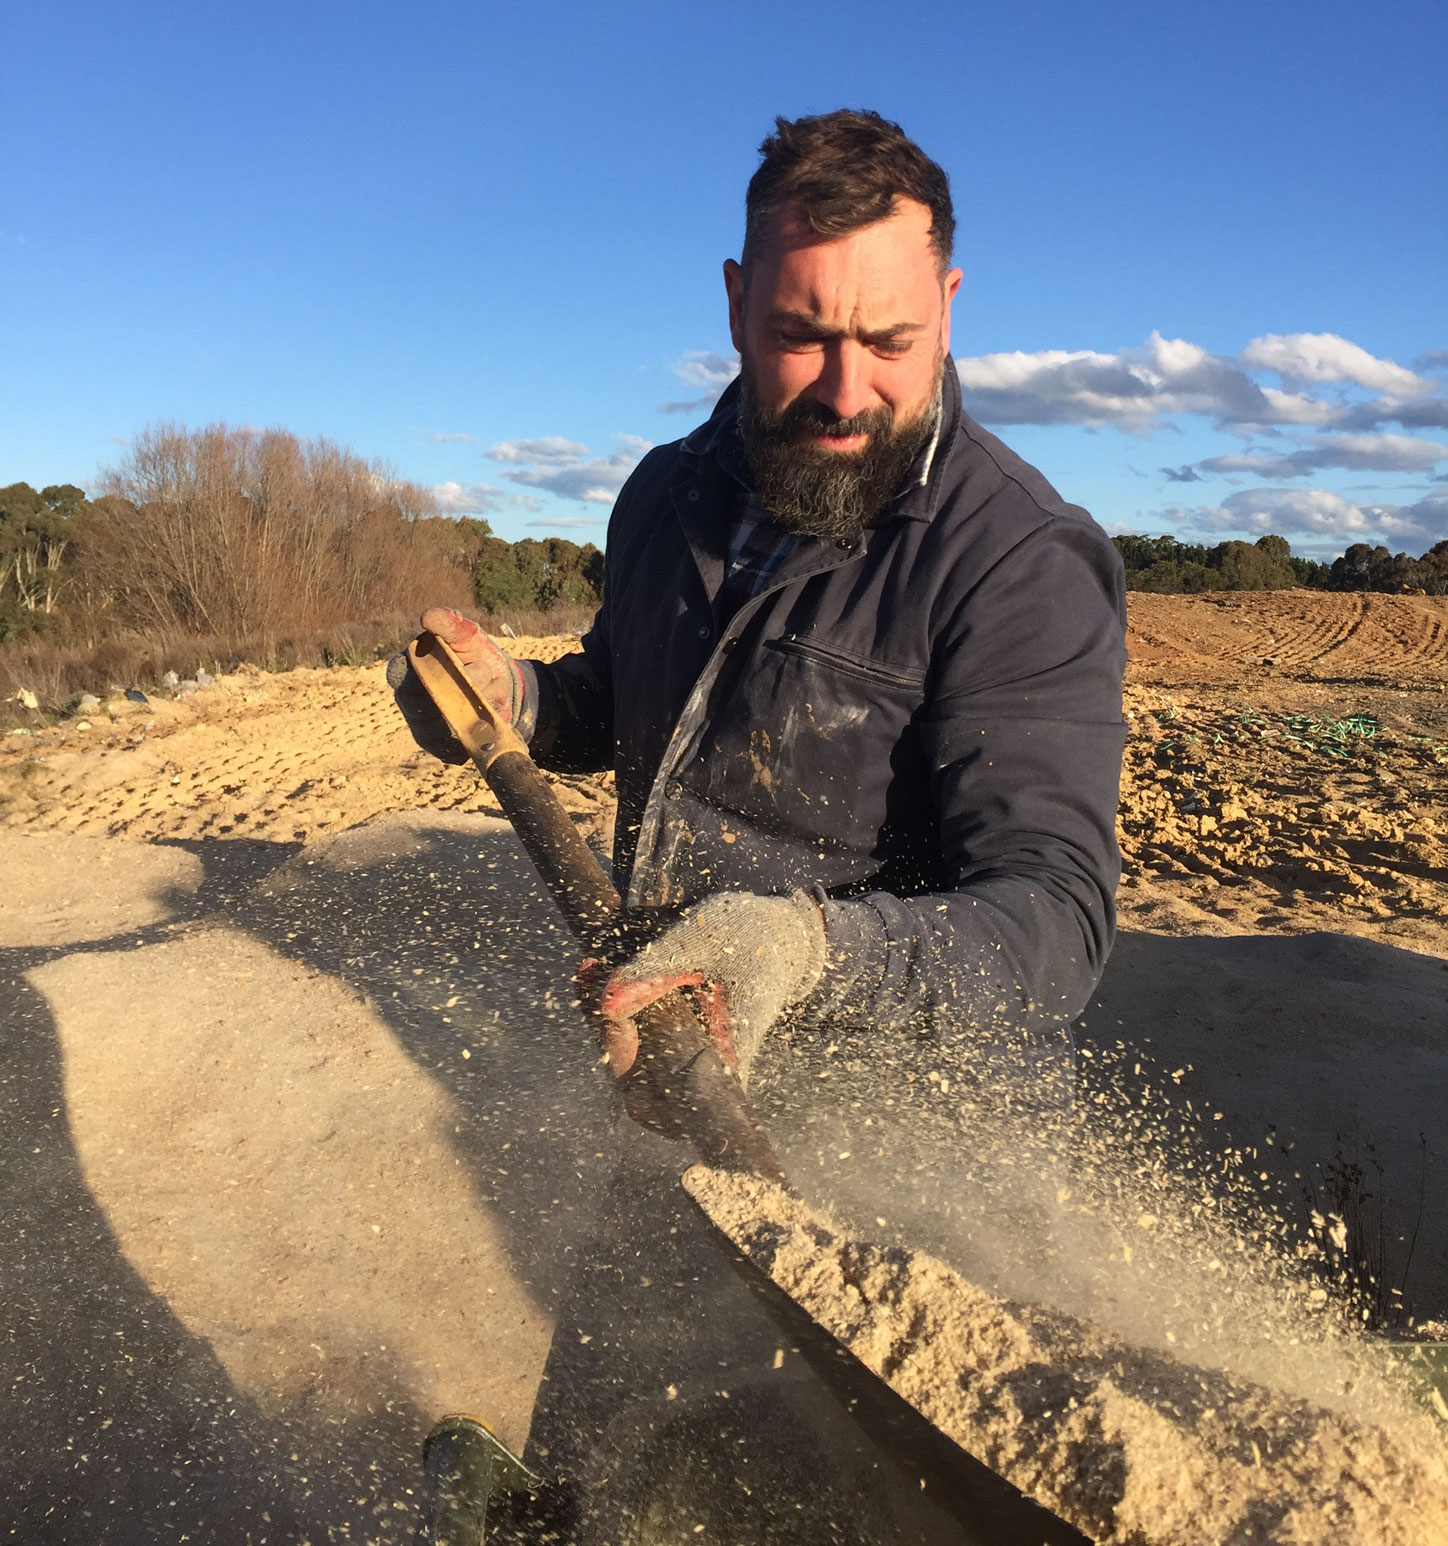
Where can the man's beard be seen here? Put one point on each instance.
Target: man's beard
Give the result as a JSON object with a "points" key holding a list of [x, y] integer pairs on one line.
{"points": [[820, 493]]}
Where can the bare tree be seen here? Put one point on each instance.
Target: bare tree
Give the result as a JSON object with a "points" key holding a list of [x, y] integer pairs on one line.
{"points": [[223, 530]]}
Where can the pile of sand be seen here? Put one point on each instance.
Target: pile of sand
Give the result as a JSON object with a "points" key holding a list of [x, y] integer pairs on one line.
{"points": [[1129, 1445]]}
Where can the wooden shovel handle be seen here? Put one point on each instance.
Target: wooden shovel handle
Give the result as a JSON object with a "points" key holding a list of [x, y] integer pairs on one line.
{"points": [[677, 1063], [585, 896]]}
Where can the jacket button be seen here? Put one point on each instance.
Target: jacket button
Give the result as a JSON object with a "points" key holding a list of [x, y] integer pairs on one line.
{"points": [[693, 496], [846, 544], [673, 789], [705, 630], [730, 642]]}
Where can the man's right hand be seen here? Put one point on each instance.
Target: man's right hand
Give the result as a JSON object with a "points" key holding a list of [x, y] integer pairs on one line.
{"points": [[495, 675]]}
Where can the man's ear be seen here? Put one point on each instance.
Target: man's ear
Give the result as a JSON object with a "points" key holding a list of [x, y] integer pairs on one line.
{"points": [[949, 286], [734, 289]]}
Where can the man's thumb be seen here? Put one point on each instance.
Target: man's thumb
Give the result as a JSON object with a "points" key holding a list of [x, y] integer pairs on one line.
{"points": [[461, 634]]}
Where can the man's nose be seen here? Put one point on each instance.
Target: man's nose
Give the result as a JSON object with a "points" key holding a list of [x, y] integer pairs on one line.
{"points": [[843, 385]]}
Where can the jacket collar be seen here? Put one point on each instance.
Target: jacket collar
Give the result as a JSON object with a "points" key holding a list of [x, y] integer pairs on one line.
{"points": [[918, 500], [710, 435], [921, 498]]}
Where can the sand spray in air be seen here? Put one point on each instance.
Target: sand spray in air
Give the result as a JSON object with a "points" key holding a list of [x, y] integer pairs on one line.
{"points": [[1134, 1447], [1178, 1311], [1107, 1196]]}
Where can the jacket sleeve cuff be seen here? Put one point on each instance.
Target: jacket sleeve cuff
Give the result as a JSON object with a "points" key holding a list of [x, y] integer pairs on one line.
{"points": [[857, 947], [526, 720]]}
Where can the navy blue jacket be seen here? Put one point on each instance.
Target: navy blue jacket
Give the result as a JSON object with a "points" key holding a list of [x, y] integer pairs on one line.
{"points": [[923, 723]]}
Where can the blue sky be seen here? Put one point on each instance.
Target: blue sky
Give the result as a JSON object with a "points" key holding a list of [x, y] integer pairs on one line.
{"points": [[1204, 246]]}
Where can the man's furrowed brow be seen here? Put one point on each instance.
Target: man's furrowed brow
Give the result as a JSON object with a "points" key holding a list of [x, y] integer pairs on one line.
{"points": [[808, 325]]}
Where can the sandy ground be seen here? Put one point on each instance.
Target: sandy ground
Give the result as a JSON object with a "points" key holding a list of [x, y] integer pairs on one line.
{"points": [[294, 1164]]}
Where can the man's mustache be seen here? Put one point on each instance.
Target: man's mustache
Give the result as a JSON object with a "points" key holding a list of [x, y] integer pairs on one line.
{"points": [[806, 416]]}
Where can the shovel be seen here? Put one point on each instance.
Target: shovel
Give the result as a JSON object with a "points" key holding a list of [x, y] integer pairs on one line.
{"points": [[678, 1065]]}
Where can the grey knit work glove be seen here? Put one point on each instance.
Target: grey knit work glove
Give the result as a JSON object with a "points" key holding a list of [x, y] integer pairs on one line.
{"points": [[746, 958], [494, 674]]}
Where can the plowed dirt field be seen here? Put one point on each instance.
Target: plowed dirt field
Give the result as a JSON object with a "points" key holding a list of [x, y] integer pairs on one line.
{"points": [[1287, 765], [1296, 633]]}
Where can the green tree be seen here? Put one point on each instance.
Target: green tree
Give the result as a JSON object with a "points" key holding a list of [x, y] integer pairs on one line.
{"points": [[1354, 569], [36, 531], [1433, 569], [1164, 565], [1253, 566], [1311, 573], [498, 582], [540, 574]]}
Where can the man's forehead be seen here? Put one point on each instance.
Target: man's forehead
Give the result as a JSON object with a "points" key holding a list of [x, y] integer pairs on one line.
{"points": [[879, 277]]}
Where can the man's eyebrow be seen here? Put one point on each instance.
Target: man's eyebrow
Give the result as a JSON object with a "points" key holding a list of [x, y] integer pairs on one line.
{"points": [[811, 327]]}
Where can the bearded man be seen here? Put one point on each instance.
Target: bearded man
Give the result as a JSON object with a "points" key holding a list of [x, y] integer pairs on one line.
{"points": [[857, 666], [858, 670]]}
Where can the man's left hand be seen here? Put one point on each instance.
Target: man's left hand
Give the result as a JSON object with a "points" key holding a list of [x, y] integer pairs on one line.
{"points": [[746, 959]]}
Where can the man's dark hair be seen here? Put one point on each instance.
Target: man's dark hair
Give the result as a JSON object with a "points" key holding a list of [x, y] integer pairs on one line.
{"points": [[844, 170]]}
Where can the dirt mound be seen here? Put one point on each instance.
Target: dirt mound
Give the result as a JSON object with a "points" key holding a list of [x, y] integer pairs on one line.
{"points": [[1267, 814], [1282, 803]]}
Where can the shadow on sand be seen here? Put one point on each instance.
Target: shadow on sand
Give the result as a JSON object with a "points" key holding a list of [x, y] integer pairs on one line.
{"points": [[1323, 1058], [122, 1421]]}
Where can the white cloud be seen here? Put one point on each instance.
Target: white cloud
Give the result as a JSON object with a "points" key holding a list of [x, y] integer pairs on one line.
{"points": [[1360, 453], [549, 449], [1320, 357], [700, 369], [1411, 412], [567, 522], [478, 499], [1131, 389], [443, 437], [1320, 513], [707, 375], [1292, 408], [1136, 389], [568, 469]]}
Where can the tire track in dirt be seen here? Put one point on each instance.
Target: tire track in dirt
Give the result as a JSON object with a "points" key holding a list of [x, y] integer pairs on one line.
{"points": [[1435, 641], [1362, 609], [1424, 639], [1308, 632]]}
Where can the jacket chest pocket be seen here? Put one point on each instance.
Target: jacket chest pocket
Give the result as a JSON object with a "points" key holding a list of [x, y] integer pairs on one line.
{"points": [[813, 741], [840, 662]]}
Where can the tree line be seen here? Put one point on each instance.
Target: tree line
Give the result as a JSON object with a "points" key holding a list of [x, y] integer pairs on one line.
{"points": [[1167, 566], [244, 533]]}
